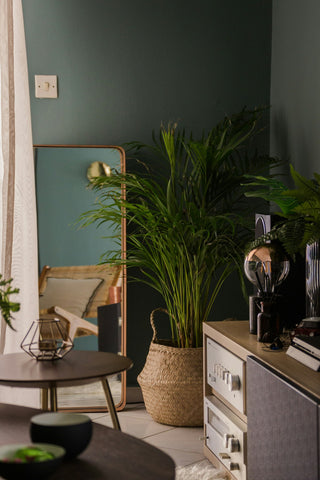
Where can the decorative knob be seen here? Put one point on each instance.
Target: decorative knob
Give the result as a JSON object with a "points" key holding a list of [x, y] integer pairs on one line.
{"points": [[225, 374], [233, 445], [226, 438], [233, 382], [224, 455]]}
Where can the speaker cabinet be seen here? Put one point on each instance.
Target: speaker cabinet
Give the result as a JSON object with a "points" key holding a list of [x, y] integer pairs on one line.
{"points": [[263, 224], [283, 428], [293, 304]]}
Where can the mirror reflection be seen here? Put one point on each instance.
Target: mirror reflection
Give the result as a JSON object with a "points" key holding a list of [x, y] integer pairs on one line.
{"points": [[90, 298]]}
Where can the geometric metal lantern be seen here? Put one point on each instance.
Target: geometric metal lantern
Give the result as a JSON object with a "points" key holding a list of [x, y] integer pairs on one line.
{"points": [[47, 339]]}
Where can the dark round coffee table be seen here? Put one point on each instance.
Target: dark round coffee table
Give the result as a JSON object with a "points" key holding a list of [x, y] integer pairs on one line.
{"points": [[76, 368], [110, 455]]}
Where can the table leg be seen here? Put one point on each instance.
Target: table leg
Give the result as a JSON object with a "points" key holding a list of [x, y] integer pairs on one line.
{"points": [[44, 399], [53, 399], [110, 403]]}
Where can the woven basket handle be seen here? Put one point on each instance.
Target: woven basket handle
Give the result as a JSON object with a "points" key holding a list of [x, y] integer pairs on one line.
{"points": [[155, 338]]}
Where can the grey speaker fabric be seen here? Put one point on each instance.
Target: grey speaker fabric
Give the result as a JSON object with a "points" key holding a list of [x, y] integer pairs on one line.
{"points": [[283, 427]]}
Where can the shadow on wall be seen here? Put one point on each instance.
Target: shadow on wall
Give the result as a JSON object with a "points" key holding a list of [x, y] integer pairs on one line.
{"points": [[284, 139], [280, 144]]}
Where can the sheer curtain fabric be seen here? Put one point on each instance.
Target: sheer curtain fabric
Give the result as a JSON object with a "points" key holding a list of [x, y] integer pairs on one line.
{"points": [[18, 226]]}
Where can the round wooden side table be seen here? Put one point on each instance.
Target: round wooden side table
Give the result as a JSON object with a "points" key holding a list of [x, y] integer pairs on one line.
{"points": [[76, 368]]}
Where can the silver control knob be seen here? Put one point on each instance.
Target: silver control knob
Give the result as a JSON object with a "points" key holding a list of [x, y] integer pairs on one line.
{"points": [[234, 466], [233, 382], [226, 438], [225, 374], [233, 445]]}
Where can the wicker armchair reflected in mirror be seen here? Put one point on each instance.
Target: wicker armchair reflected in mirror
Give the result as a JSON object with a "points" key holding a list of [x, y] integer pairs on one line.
{"points": [[88, 297]]}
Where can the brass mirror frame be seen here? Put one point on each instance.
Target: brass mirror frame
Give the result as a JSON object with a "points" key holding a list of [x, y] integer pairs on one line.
{"points": [[119, 406]]}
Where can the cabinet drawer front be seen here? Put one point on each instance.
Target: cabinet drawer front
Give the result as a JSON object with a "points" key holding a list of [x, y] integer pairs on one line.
{"points": [[225, 436], [226, 374]]}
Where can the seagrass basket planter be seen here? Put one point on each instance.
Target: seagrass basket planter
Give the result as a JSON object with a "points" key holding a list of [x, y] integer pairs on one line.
{"points": [[172, 383]]}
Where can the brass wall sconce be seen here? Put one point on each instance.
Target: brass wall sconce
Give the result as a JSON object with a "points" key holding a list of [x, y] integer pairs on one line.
{"points": [[98, 169]]}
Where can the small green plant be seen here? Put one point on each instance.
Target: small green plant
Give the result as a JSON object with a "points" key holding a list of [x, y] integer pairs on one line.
{"points": [[188, 222], [7, 306]]}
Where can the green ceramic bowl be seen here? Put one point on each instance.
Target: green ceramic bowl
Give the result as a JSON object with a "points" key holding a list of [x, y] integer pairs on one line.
{"points": [[19, 461]]}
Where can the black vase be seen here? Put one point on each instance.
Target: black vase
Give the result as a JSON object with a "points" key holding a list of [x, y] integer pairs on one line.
{"points": [[313, 279]]}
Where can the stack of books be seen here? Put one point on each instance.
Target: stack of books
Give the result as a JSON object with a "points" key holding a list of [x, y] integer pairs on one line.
{"points": [[306, 350]]}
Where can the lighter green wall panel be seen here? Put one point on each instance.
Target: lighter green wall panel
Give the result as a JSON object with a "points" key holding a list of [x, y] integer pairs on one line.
{"points": [[295, 100], [62, 196]]}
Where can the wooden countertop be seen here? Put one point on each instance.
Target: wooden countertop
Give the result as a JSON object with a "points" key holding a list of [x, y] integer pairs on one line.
{"points": [[234, 335]]}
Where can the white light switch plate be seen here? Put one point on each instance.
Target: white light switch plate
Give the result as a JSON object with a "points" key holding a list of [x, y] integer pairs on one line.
{"points": [[46, 86]]}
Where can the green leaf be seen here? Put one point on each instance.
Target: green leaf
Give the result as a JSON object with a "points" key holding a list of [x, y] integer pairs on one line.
{"points": [[6, 305]]}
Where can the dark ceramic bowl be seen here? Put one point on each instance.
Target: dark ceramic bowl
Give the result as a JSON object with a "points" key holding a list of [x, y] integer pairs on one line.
{"points": [[72, 431], [13, 470]]}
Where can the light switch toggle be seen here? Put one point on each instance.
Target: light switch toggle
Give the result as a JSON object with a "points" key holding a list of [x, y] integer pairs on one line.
{"points": [[46, 86]]}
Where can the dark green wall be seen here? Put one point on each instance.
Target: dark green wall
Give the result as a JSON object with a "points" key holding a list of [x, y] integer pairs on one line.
{"points": [[295, 112], [125, 66]]}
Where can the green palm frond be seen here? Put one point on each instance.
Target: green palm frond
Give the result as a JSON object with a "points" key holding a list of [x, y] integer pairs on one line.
{"points": [[7, 306], [272, 190], [300, 209]]}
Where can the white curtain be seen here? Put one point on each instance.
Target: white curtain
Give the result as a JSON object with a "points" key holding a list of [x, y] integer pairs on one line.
{"points": [[18, 230]]}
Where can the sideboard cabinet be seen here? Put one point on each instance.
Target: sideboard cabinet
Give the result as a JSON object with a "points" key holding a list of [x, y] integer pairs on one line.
{"points": [[261, 407]]}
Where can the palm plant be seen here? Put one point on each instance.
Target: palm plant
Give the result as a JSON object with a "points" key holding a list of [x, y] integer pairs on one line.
{"points": [[186, 226]]}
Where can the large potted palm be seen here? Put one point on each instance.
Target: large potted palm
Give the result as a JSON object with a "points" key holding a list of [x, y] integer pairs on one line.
{"points": [[187, 225]]}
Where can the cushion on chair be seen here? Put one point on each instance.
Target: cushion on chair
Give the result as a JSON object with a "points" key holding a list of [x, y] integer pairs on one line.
{"points": [[71, 294]]}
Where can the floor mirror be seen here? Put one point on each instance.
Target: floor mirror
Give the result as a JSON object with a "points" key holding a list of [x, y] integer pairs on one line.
{"points": [[63, 193]]}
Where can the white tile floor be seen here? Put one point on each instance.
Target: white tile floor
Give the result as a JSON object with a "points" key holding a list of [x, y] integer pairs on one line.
{"points": [[184, 445]]}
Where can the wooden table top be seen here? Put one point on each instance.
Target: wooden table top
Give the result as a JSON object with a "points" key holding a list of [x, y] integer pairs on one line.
{"points": [[111, 454], [76, 368]]}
